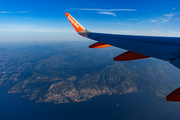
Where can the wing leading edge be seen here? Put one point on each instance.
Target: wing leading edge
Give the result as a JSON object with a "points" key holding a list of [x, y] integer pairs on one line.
{"points": [[139, 47]]}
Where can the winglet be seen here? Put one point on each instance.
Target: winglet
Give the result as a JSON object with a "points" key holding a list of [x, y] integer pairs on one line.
{"points": [[77, 26]]}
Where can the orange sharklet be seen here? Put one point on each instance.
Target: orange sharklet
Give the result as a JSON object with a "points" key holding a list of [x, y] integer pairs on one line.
{"points": [[77, 26]]}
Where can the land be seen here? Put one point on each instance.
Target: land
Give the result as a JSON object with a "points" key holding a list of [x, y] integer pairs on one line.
{"points": [[65, 72]]}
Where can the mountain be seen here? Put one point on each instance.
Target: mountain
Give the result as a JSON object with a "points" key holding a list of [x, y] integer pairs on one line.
{"points": [[66, 72]]}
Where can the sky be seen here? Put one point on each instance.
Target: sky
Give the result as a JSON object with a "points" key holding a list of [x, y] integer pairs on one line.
{"points": [[44, 20]]}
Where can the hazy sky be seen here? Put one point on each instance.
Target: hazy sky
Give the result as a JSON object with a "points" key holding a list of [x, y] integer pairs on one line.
{"points": [[44, 20]]}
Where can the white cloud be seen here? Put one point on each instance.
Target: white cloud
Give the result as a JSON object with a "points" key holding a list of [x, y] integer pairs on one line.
{"points": [[124, 24], [121, 24], [169, 16], [103, 9], [154, 21], [132, 19], [160, 20], [4, 12], [174, 8], [129, 25], [165, 18], [32, 28], [21, 12], [54, 30], [16, 25], [107, 13]]}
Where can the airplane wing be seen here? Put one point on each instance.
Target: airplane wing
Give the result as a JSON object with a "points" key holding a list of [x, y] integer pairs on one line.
{"points": [[139, 47]]}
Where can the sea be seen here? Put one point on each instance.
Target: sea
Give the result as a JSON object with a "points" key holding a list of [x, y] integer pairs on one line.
{"points": [[134, 106]]}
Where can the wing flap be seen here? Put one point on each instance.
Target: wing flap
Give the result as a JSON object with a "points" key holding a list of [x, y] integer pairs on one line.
{"points": [[99, 45], [174, 96], [130, 56]]}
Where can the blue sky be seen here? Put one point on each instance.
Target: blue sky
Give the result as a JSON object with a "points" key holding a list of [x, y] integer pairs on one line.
{"points": [[44, 20]]}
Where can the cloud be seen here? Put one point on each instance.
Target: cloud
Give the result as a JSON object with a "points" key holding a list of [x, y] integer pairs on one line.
{"points": [[154, 21], [129, 25], [124, 24], [107, 10], [132, 19], [104, 11], [5, 12], [162, 20], [52, 30], [32, 28], [159, 20], [16, 25], [107, 13], [21, 12], [174, 8], [169, 16], [165, 18]]}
